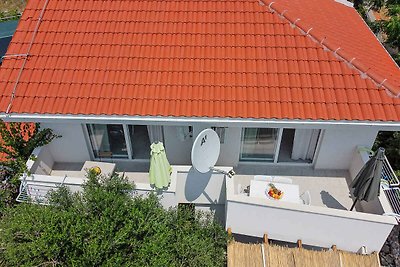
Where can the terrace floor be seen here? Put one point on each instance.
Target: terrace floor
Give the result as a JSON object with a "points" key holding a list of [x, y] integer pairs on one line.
{"points": [[135, 172], [330, 192], [328, 188]]}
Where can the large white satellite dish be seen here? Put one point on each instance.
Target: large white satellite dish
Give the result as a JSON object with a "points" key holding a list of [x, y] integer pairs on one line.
{"points": [[205, 150]]}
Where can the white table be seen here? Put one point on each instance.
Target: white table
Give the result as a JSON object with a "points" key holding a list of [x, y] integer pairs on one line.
{"points": [[291, 192], [105, 167]]}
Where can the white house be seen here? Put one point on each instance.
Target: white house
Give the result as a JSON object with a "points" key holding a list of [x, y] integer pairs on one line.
{"points": [[291, 89]]}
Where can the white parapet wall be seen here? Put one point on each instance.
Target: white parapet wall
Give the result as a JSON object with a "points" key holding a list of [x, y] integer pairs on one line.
{"points": [[167, 196], [316, 226], [41, 161], [71, 146], [207, 191]]}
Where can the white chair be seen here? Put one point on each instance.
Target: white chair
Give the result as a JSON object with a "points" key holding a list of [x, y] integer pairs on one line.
{"points": [[264, 178], [282, 180], [239, 189], [275, 179], [306, 198]]}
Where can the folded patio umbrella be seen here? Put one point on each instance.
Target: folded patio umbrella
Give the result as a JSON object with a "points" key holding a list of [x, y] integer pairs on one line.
{"points": [[367, 182], [160, 169]]}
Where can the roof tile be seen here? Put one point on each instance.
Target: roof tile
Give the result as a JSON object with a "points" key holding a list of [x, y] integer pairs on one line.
{"points": [[195, 58]]}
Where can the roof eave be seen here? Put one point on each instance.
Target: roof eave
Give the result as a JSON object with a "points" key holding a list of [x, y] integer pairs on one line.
{"points": [[220, 121]]}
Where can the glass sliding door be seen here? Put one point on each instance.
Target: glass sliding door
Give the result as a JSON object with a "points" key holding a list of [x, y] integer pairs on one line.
{"points": [[258, 144], [107, 140], [140, 141]]}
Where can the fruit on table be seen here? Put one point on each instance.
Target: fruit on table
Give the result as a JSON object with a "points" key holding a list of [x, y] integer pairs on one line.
{"points": [[275, 192], [96, 170]]}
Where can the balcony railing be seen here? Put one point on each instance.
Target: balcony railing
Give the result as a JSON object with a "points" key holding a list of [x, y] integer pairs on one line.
{"points": [[393, 195], [388, 174]]}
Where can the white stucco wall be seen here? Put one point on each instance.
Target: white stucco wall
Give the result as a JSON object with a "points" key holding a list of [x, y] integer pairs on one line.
{"points": [[43, 163], [337, 146], [315, 226], [71, 147], [230, 149], [200, 188], [178, 152], [335, 150]]}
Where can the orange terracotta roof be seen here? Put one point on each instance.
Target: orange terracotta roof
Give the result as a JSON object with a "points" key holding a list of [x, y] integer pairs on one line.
{"points": [[211, 58], [26, 132]]}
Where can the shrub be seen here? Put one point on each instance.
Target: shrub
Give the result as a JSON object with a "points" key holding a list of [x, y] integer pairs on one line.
{"points": [[20, 139], [17, 141], [104, 225], [9, 182], [391, 142]]}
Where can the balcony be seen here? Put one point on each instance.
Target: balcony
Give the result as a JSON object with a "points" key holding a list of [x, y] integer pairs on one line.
{"points": [[325, 222]]}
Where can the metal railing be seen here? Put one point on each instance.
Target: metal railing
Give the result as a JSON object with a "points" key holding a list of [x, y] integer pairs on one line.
{"points": [[37, 191], [388, 174], [391, 190], [393, 195]]}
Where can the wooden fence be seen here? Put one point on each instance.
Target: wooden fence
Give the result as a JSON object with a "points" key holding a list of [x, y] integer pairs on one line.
{"points": [[266, 255]]}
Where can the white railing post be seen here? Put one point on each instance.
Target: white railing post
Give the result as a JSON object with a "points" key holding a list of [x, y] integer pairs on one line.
{"points": [[389, 174]]}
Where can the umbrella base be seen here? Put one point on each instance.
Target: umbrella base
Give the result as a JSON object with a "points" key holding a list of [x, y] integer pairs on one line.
{"points": [[354, 204]]}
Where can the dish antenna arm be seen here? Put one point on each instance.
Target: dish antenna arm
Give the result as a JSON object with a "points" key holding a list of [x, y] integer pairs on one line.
{"points": [[230, 173]]}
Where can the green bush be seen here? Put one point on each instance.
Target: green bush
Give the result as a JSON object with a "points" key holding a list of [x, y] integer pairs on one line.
{"points": [[17, 142], [104, 225], [390, 141]]}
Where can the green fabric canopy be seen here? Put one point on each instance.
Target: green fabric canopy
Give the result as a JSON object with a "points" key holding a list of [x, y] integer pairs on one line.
{"points": [[160, 169]]}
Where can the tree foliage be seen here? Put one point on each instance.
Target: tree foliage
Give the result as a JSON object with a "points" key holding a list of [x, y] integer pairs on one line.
{"points": [[105, 226], [390, 27], [11, 9], [17, 141], [390, 141], [20, 139]]}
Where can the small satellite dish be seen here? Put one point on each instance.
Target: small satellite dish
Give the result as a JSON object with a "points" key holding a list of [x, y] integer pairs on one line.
{"points": [[205, 150]]}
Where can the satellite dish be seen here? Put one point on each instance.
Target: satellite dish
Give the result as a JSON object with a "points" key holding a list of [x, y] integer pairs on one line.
{"points": [[205, 150]]}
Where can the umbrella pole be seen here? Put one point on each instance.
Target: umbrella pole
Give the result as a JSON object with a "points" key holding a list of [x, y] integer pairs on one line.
{"points": [[354, 203]]}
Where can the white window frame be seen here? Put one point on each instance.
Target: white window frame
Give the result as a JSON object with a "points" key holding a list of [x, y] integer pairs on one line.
{"points": [[278, 148], [90, 145], [270, 160], [127, 141]]}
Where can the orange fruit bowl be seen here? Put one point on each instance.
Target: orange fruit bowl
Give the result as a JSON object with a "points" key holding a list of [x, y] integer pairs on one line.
{"points": [[275, 193]]}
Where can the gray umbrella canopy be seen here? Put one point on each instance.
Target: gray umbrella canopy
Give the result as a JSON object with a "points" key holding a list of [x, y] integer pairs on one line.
{"points": [[367, 182]]}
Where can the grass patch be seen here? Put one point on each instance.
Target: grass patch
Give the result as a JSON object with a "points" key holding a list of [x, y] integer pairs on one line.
{"points": [[11, 9]]}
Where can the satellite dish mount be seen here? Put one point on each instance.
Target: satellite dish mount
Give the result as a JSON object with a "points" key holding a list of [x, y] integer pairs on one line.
{"points": [[205, 153]]}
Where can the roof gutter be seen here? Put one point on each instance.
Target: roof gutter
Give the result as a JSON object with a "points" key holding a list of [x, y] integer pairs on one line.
{"points": [[223, 122]]}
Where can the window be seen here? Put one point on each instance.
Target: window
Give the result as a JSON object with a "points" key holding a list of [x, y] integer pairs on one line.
{"points": [[107, 140], [123, 141], [258, 144], [140, 141], [184, 132], [221, 133]]}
